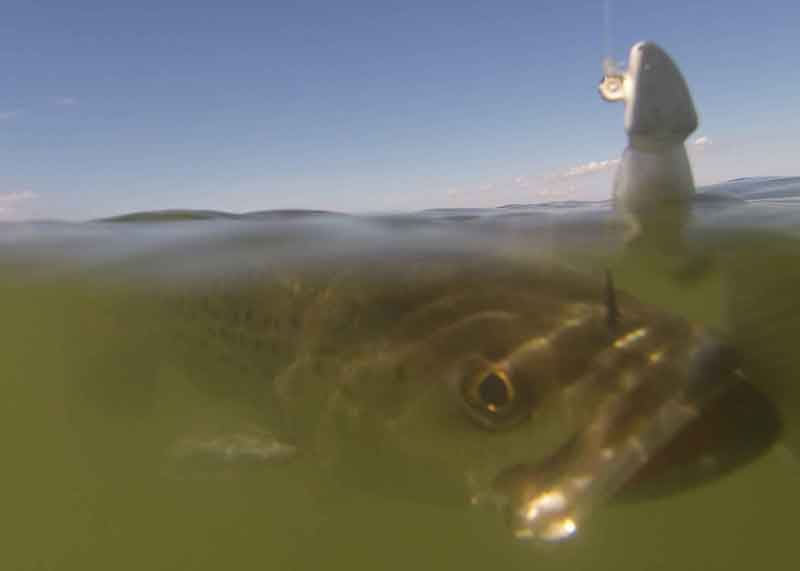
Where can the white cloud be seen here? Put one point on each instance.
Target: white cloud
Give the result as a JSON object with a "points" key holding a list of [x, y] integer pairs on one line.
{"points": [[12, 204], [591, 180], [538, 186], [65, 101], [18, 196], [588, 168], [597, 166], [522, 181]]}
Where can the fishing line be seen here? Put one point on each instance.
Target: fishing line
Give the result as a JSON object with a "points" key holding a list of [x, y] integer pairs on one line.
{"points": [[612, 85], [609, 65], [607, 46]]}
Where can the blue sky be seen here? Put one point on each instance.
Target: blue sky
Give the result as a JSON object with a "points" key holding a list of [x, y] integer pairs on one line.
{"points": [[108, 107]]}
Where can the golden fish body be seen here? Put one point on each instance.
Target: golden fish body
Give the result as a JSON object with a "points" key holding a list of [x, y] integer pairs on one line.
{"points": [[418, 362]]}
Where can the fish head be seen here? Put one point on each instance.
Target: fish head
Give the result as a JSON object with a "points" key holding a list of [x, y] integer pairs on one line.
{"points": [[480, 392]]}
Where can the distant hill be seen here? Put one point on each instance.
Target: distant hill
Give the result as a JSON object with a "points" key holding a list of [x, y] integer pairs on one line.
{"points": [[288, 214], [169, 216], [179, 215], [785, 189], [557, 204], [760, 188]]}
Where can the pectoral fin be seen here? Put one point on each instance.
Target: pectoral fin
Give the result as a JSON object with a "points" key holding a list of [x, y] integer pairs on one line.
{"points": [[225, 456]]}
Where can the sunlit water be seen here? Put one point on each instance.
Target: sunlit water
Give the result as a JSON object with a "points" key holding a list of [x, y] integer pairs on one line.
{"points": [[66, 508]]}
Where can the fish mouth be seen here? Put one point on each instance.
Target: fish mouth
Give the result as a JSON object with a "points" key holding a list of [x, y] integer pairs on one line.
{"points": [[551, 499]]}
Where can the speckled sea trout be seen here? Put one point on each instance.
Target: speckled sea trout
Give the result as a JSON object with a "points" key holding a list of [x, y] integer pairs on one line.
{"points": [[421, 361], [399, 354]]}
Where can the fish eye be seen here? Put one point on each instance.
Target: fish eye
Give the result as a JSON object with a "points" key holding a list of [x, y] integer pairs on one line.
{"points": [[491, 398], [495, 391]]}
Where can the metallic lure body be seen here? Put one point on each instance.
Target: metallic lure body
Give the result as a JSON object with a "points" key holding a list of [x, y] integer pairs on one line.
{"points": [[654, 183]]}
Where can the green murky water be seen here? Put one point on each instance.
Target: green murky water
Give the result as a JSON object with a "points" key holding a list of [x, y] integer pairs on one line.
{"points": [[67, 507]]}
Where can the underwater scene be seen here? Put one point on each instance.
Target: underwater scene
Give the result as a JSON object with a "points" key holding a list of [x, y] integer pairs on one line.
{"points": [[298, 390]]}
